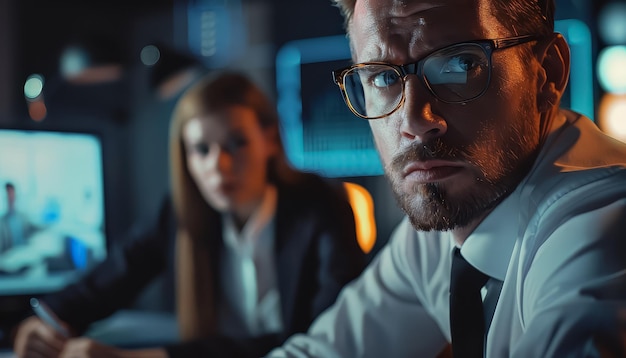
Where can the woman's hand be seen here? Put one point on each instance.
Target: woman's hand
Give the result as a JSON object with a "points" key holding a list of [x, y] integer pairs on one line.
{"points": [[34, 338], [85, 347], [88, 348]]}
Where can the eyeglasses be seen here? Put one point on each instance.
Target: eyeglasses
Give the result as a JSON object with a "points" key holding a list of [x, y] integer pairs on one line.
{"points": [[454, 74]]}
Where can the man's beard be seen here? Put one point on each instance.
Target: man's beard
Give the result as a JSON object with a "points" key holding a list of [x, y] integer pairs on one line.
{"points": [[430, 207], [438, 211]]}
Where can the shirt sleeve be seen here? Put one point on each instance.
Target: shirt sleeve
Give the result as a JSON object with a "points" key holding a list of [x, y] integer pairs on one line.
{"points": [[573, 294], [377, 315]]}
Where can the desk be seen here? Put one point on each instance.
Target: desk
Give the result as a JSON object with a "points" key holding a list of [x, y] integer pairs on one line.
{"points": [[7, 354], [134, 329], [130, 329]]}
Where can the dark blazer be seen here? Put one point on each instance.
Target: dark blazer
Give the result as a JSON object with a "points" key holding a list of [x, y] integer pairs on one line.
{"points": [[316, 251]]}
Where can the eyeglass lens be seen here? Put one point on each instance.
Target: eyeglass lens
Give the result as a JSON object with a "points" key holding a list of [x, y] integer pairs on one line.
{"points": [[454, 74]]}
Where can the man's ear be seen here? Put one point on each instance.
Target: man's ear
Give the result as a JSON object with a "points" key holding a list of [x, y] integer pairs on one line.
{"points": [[554, 57]]}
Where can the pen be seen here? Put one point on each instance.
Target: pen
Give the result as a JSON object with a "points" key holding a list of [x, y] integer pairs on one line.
{"points": [[45, 314]]}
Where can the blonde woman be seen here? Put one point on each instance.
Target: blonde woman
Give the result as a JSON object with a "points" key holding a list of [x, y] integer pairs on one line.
{"points": [[259, 249]]}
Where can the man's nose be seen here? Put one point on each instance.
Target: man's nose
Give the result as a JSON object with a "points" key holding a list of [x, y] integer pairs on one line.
{"points": [[419, 122]]}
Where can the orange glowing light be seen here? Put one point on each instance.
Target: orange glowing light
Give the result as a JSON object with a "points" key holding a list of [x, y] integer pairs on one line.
{"points": [[363, 209], [37, 110], [612, 115]]}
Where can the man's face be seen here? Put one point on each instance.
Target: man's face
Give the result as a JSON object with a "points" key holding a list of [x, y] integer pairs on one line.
{"points": [[448, 163]]}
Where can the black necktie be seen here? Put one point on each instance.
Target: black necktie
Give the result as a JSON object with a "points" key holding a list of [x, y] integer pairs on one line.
{"points": [[467, 320]]}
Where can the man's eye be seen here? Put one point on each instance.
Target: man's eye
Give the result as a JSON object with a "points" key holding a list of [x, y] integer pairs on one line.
{"points": [[457, 68], [385, 78], [459, 63]]}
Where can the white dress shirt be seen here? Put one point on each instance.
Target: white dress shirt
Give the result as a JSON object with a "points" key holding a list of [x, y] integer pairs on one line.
{"points": [[250, 301], [555, 250]]}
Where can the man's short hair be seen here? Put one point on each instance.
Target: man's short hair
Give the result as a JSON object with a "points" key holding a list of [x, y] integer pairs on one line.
{"points": [[525, 17]]}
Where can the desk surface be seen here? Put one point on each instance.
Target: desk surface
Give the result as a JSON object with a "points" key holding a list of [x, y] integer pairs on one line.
{"points": [[7, 354], [130, 329]]}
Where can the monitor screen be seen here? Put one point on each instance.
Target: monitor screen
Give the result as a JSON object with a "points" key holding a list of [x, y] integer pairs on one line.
{"points": [[52, 213]]}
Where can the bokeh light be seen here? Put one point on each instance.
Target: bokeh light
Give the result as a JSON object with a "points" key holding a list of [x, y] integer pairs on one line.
{"points": [[612, 69], [612, 23], [37, 110], [362, 205], [74, 60], [33, 86], [150, 55], [612, 115]]}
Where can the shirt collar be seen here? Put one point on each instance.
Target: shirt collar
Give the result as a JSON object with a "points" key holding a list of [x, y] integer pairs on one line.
{"points": [[490, 245], [258, 221]]}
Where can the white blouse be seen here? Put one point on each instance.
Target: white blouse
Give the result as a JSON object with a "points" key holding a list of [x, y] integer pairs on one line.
{"points": [[250, 300]]}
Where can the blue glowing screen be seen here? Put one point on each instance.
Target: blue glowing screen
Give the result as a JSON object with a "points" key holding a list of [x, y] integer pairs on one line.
{"points": [[52, 212]]}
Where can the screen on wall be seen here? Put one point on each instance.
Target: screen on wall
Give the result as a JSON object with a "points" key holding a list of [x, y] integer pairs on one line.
{"points": [[52, 213]]}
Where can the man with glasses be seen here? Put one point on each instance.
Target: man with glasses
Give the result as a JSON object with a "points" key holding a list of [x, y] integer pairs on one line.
{"points": [[514, 244]]}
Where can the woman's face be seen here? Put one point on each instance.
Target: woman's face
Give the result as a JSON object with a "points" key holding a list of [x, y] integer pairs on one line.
{"points": [[227, 155]]}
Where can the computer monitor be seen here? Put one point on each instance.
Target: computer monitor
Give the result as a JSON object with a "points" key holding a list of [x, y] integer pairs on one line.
{"points": [[52, 212]]}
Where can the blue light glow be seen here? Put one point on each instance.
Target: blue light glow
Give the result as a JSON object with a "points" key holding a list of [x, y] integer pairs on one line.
{"points": [[612, 69], [33, 86]]}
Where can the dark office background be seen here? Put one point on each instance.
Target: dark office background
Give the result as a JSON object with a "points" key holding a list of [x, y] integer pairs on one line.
{"points": [[126, 111], [133, 122]]}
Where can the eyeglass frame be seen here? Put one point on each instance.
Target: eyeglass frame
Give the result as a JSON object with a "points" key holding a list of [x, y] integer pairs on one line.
{"points": [[415, 68]]}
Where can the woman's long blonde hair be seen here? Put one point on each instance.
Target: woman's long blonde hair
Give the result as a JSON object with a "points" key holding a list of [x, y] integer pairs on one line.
{"points": [[196, 219]]}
